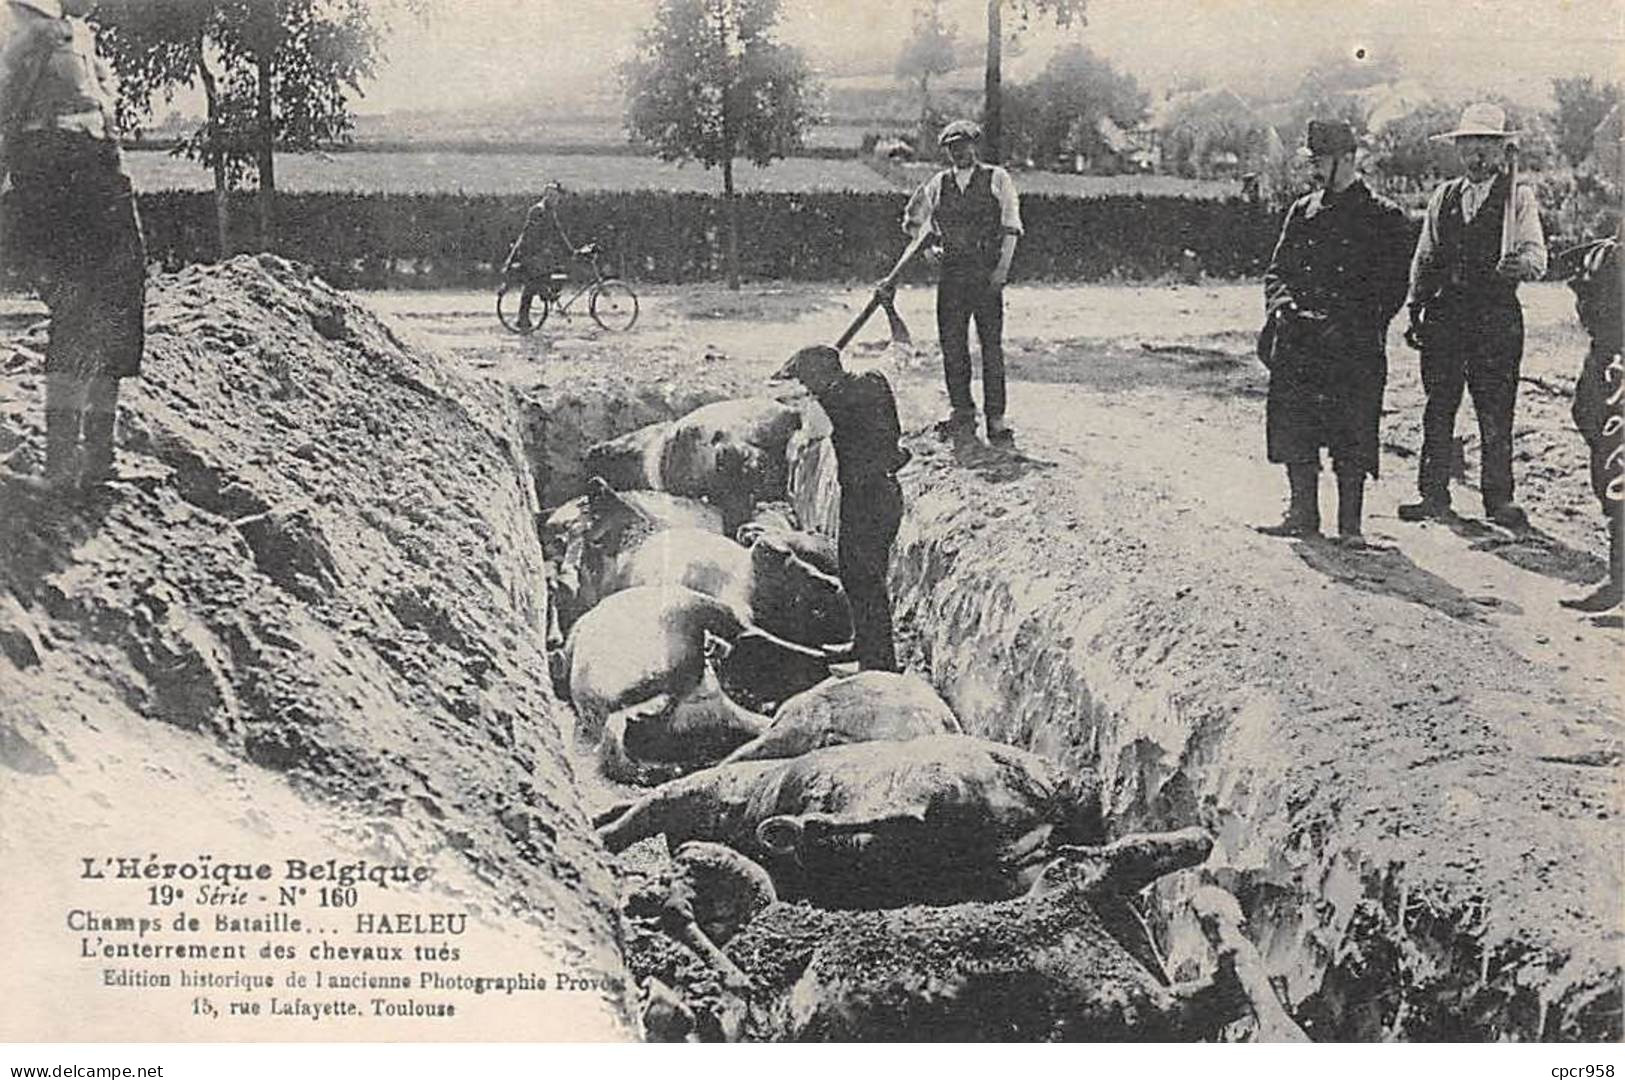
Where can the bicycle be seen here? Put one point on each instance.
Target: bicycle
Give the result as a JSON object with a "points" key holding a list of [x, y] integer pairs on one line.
{"points": [[610, 301]]}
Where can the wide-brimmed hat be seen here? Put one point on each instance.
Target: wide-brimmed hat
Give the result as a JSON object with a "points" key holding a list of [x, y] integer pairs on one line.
{"points": [[1483, 118], [1328, 137], [959, 129]]}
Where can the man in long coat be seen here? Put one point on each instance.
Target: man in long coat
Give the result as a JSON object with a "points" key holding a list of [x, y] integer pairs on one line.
{"points": [[1338, 275]]}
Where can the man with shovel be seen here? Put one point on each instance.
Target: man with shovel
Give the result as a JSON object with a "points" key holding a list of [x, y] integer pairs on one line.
{"points": [[863, 415], [974, 208]]}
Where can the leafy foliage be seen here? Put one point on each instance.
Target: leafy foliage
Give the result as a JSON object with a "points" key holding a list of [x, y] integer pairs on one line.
{"points": [[931, 46], [1582, 102], [710, 83], [316, 53], [1059, 112], [930, 50], [1064, 12]]}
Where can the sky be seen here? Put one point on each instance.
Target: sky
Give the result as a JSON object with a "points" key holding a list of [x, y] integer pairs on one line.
{"points": [[471, 51]]}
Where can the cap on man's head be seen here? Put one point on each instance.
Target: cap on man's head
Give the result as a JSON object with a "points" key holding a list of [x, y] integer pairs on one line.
{"points": [[1328, 138], [959, 129], [1484, 118], [814, 363]]}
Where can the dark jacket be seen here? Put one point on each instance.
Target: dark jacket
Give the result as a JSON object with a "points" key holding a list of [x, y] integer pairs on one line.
{"points": [[1597, 300], [865, 429], [1339, 273]]}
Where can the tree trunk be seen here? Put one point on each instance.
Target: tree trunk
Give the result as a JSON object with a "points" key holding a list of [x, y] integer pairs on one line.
{"points": [[267, 141], [992, 89], [222, 200], [730, 204]]}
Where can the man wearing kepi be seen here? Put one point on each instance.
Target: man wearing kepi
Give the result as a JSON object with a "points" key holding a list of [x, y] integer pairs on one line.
{"points": [[1480, 238], [71, 226], [863, 415], [1336, 279], [974, 208]]}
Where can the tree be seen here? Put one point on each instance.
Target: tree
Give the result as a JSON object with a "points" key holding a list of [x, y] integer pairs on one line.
{"points": [[276, 74], [710, 83], [929, 51], [158, 47], [1060, 111], [1064, 12], [1582, 102]]}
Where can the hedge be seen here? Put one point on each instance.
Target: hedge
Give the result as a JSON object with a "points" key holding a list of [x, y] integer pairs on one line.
{"points": [[441, 240]]}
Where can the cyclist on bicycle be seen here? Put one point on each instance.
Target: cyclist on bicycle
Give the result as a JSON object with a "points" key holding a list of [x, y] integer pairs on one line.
{"points": [[537, 258]]}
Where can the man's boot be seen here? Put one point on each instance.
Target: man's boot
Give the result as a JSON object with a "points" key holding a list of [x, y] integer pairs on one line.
{"points": [[1434, 507], [101, 413], [1609, 594], [1303, 511], [98, 453], [61, 455], [959, 423], [1350, 508]]}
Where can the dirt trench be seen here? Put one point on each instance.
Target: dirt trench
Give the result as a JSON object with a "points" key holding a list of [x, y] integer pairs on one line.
{"points": [[1397, 821]]}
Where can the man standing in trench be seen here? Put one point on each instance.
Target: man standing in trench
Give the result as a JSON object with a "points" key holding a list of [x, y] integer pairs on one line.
{"points": [[71, 226], [1336, 279], [975, 210], [1465, 314], [863, 415]]}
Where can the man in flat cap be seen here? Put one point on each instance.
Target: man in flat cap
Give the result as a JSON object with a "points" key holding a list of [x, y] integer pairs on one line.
{"points": [[863, 415], [71, 226], [1336, 279], [974, 208], [1480, 238]]}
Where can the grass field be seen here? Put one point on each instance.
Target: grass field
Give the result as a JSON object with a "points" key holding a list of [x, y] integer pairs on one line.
{"points": [[507, 174]]}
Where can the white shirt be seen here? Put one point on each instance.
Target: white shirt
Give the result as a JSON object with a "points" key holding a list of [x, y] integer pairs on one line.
{"points": [[920, 214], [1528, 238]]}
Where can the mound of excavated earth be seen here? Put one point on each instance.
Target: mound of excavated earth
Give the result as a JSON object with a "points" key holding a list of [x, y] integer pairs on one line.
{"points": [[317, 633]]}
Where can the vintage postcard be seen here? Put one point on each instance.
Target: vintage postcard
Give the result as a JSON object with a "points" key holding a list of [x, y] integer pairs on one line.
{"points": [[530, 521]]}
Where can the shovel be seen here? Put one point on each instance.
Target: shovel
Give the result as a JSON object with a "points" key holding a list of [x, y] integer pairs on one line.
{"points": [[884, 295]]}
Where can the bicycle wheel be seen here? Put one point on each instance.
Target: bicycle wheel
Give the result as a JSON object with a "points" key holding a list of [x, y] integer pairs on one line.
{"points": [[613, 304], [518, 314]]}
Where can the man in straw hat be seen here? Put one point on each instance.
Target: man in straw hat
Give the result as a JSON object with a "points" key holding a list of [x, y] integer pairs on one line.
{"points": [[1336, 279], [1480, 238], [864, 433], [975, 209]]}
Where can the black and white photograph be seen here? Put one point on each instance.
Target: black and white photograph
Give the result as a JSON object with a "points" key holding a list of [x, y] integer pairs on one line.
{"points": [[841, 521]]}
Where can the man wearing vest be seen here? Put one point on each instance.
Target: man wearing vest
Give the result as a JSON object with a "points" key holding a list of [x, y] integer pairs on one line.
{"points": [[974, 208], [864, 433], [71, 227], [1465, 314], [1335, 281]]}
